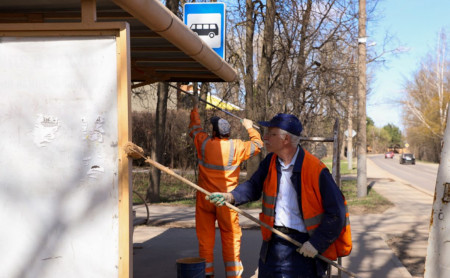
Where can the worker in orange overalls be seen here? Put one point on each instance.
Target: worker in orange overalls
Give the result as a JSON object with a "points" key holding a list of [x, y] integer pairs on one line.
{"points": [[219, 159], [299, 199]]}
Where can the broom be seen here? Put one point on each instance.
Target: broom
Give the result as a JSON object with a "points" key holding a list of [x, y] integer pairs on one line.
{"points": [[137, 152]]}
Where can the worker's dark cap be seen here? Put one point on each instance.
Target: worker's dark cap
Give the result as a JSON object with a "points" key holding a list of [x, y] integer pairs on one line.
{"points": [[221, 126], [287, 122]]}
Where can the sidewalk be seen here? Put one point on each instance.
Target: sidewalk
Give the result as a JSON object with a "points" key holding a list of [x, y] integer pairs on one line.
{"points": [[171, 235]]}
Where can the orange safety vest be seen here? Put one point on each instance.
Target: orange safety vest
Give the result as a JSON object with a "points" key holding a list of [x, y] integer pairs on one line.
{"points": [[220, 159], [312, 209]]}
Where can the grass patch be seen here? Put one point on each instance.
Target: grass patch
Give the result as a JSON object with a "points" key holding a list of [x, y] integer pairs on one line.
{"points": [[372, 203], [328, 161], [175, 192], [172, 190]]}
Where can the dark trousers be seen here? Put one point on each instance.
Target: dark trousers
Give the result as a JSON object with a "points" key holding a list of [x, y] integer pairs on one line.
{"points": [[279, 259]]}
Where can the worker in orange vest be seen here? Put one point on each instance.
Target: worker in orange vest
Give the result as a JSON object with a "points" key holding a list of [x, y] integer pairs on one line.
{"points": [[219, 159], [300, 199]]}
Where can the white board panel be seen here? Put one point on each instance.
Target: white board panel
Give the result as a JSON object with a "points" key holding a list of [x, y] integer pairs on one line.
{"points": [[59, 157]]}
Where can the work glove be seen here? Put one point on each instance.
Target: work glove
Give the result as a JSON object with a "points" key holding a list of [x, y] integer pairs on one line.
{"points": [[247, 123], [219, 199], [308, 250]]}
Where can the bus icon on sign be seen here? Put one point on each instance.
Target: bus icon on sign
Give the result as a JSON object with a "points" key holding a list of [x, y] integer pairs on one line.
{"points": [[207, 20], [205, 29]]}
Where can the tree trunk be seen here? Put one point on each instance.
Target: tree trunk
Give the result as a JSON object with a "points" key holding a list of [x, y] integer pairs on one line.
{"points": [[203, 94], [362, 145], [248, 68], [299, 82], [158, 141], [436, 265], [250, 113], [264, 73], [180, 96]]}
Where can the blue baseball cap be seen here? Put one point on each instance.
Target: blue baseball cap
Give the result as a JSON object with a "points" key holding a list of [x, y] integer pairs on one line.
{"points": [[287, 122]]}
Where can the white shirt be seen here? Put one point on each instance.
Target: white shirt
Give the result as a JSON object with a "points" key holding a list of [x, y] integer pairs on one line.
{"points": [[287, 212]]}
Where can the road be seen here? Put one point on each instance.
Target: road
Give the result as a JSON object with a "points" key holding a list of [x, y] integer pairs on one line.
{"points": [[421, 175]]}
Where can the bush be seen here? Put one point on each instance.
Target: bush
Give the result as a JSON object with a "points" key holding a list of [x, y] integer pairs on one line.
{"points": [[178, 147]]}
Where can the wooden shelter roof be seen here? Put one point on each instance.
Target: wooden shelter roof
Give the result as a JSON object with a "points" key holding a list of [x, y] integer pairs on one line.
{"points": [[162, 47]]}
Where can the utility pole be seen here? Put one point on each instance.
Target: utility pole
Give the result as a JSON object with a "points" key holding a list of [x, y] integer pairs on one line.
{"points": [[350, 122], [437, 264], [362, 145]]}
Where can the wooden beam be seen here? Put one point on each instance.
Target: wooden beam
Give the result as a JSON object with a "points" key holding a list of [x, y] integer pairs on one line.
{"points": [[88, 11], [66, 15], [183, 74], [165, 59], [143, 83], [172, 68], [35, 17], [155, 49], [63, 27], [125, 182], [144, 34]]}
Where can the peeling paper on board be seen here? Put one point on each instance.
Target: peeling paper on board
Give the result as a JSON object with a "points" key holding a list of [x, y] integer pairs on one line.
{"points": [[45, 129], [96, 133]]}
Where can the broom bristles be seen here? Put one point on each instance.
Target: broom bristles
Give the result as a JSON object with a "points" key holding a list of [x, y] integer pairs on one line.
{"points": [[133, 150]]}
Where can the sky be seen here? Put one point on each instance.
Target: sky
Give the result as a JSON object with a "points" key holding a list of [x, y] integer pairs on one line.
{"points": [[415, 25]]}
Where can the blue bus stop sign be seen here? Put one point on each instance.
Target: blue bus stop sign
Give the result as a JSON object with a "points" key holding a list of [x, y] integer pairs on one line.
{"points": [[208, 21]]}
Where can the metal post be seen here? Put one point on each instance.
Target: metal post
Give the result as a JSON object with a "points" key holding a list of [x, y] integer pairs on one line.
{"points": [[350, 132], [336, 171]]}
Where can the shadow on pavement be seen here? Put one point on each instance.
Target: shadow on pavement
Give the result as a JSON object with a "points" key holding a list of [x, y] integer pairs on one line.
{"points": [[157, 256]]}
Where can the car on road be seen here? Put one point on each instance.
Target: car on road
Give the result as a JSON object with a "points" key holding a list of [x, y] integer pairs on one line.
{"points": [[407, 158], [389, 155]]}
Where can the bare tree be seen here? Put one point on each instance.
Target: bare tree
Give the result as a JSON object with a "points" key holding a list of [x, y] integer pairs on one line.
{"points": [[160, 123], [309, 61], [426, 103], [158, 142], [305, 66]]}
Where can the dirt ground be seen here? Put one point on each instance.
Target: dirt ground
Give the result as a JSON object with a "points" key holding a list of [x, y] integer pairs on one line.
{"points": [[401, 244]]}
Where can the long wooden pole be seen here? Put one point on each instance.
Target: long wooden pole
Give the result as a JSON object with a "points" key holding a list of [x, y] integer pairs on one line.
{"points": [[137, 152]]}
